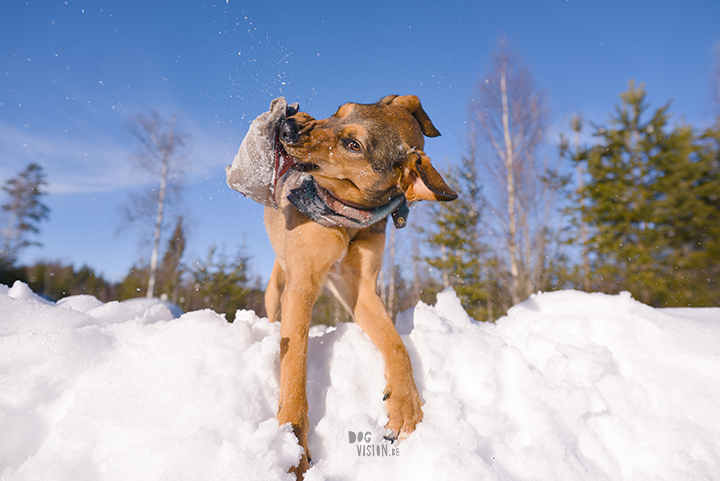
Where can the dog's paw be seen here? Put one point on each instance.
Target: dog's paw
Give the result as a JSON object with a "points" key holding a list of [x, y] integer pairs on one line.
{"points": [[300, 429], [390, 436], [404, 409], [304, 464]]}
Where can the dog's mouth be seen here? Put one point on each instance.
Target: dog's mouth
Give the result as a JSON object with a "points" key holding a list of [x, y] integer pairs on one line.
{"points": [[288, 134], [306, 167], [283, 160]]}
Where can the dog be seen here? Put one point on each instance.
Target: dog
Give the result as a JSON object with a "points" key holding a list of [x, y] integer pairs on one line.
{"points": [[365, 162]]}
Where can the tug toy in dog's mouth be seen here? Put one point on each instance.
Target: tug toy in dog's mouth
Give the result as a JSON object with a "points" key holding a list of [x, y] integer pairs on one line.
{"points": [[261, 159]]}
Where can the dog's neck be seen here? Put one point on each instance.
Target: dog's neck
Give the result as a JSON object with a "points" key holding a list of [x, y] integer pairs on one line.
{"points": [[322, 207]]}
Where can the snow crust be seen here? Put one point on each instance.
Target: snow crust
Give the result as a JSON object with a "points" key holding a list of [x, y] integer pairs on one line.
{"points": [[568, 385]]}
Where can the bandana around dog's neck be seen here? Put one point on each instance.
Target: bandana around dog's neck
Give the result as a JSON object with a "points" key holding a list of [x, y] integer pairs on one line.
{"points": [[322, 207]]}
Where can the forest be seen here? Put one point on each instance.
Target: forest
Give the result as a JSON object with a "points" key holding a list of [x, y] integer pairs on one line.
{"points": [[630, 202]]}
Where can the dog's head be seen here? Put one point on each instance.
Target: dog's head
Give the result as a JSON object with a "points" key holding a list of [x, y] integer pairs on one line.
{"points": [[367, 154]]}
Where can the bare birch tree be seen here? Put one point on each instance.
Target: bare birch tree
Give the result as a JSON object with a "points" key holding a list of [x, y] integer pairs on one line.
{"points": [[161, 149], [509, 118]]}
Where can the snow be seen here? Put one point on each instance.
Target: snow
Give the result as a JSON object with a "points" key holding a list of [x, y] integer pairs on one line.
{"points": [[568, 385]]}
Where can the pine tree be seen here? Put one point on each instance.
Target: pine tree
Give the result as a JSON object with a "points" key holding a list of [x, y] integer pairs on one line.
{"points": [[25, 209], [221, 283], [579, 236], [456, 238], [55, 280], [171, 268], [649, 205], [134, 284]]}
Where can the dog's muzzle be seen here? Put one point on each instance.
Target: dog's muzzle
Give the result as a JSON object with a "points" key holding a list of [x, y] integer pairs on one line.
{"points": [[288, 131], [288, 134]]}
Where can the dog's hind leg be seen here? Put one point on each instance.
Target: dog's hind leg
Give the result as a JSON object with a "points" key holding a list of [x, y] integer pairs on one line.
{"points": [[274, 290]]}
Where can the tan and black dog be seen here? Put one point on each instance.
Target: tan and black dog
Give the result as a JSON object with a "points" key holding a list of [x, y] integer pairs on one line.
{"points": [[362, 158]]}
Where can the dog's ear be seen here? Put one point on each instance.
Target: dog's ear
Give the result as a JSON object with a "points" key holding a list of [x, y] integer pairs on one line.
{"points": [[420, 180], [412, 104]]}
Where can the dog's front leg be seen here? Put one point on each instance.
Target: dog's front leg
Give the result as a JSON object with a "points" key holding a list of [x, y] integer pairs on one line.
{"points": [[295, 324], [360, 271], [402, 400], [312, 250]]}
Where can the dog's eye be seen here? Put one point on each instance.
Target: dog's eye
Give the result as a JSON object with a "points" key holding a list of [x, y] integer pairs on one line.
{"points": [[352, 145]]}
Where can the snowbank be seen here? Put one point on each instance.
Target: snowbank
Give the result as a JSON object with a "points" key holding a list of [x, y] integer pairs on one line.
{"points": [[567, 386]]}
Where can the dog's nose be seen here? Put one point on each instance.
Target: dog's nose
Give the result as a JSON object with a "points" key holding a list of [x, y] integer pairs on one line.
{"points": [[289, 133]]}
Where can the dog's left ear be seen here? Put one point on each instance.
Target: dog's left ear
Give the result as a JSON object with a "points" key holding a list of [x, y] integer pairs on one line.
{"points": [[420, 180], [412, 104]]}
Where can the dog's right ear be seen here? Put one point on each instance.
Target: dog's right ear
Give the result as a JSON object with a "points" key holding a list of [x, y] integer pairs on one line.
{"points": [[412, 104], [420, 180]]}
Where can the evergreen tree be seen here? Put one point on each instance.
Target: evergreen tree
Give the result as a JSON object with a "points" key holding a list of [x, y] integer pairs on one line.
{"points": [[454, 239], [578, 227], [54, 280], [134, 284], [25, 209], [221, 283], [171, 269], [651, 205]]}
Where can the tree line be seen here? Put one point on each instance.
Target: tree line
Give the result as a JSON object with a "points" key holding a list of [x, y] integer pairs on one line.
{"points": [[627, 203], [635, 209], [219, 281]]}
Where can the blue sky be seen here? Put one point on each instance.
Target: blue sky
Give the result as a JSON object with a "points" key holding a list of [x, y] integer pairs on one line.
{"points": [[72, 72]]}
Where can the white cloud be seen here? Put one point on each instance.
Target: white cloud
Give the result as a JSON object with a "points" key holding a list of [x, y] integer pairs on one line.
{"points": [[72, 165], [96, 161]]}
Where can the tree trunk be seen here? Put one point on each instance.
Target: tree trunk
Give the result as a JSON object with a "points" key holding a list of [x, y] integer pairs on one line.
{"points": [[489, 301], [584, 238], [510, 185], [416, 286], [444, 258], [158, 228]]}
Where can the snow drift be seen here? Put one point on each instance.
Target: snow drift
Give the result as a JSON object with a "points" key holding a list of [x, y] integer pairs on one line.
{"points": [[568, 385]]}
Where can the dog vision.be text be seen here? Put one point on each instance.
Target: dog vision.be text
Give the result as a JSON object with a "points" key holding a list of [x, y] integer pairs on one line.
{"points": [[364, 448]]}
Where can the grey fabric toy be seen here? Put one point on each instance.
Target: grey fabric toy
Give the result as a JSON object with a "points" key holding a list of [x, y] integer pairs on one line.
{"points": [[259, 162]]}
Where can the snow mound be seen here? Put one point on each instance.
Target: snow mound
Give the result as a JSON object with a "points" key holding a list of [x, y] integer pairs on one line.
{"points": [[568, 385]]}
